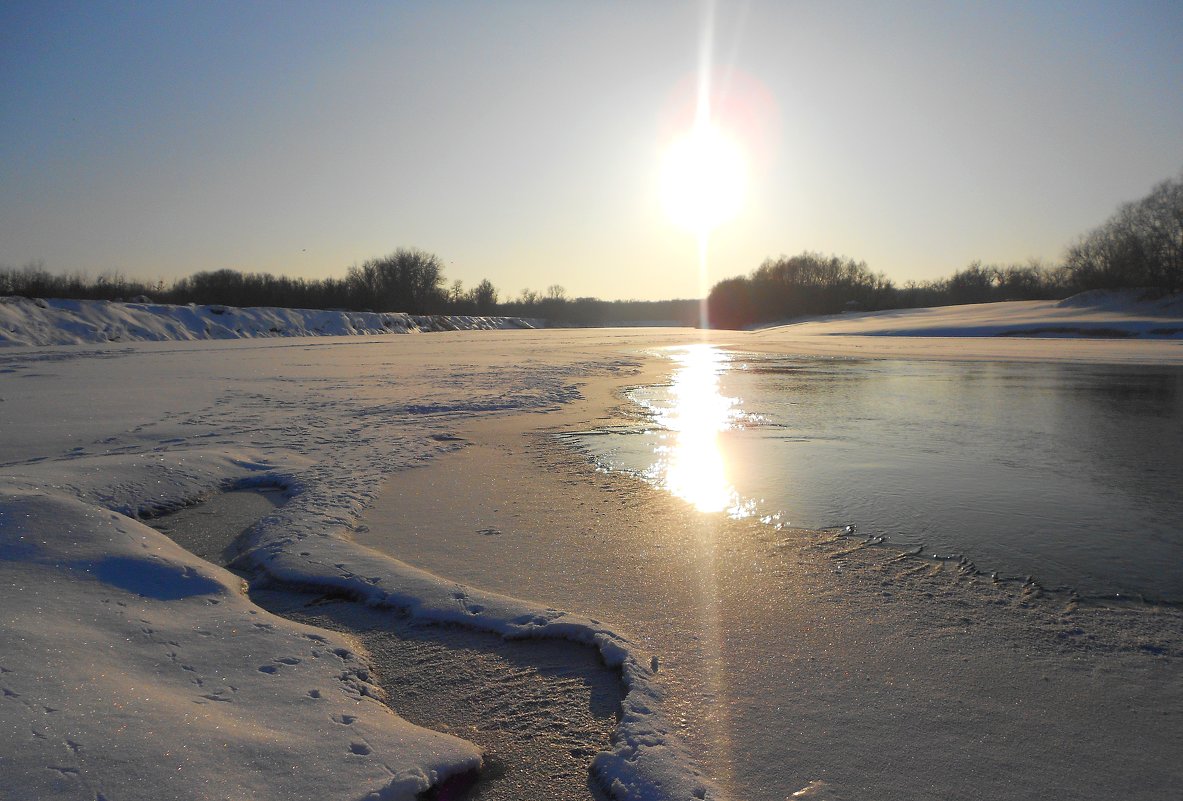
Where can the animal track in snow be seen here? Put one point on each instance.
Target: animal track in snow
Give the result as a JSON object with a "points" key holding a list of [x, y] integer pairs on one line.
{"points": [[217, 697]]}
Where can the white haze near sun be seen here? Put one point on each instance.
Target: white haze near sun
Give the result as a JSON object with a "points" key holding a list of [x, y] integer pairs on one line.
{"points": [[703, 179], [525, 142]]}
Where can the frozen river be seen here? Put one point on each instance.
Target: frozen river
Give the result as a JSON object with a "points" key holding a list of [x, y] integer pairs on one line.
{"points": [[759, 662], [1062, 472]]}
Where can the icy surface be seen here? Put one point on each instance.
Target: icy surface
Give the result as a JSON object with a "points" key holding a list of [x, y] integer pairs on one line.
{"points": [[97, 694], [25, 321]]}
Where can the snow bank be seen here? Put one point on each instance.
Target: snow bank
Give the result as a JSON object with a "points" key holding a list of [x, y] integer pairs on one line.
{"points": [[131, 668], [1116, 315], [71, 322], [1126, 301]]}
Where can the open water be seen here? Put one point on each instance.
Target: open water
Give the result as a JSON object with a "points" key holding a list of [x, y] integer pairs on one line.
{"points": [[1071, 475]]}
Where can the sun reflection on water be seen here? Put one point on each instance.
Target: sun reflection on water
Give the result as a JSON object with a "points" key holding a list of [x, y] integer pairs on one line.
{"points": [[692, 465]]}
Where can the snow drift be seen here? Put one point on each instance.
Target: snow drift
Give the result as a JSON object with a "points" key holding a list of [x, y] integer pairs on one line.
{"points": [[71, 322]]}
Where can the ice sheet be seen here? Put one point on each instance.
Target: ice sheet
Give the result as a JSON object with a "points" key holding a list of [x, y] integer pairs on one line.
{"points": [[91, 437]]}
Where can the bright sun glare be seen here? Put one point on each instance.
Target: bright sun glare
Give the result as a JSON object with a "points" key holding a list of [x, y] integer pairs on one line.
{"points": [[695, 469], [703, 179]]}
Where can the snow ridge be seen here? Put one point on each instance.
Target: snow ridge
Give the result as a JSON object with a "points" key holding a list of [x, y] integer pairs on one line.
{"points": [[25, 321]]}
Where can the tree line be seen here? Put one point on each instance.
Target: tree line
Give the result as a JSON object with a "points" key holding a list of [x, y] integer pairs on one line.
{"points": [[407, 280], [1140, 246], [811, 284]]}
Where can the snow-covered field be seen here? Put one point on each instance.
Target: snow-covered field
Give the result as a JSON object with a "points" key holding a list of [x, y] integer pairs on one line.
{"points": [[25, 321], [1090, 314], [1112, 327], [132, 669]]}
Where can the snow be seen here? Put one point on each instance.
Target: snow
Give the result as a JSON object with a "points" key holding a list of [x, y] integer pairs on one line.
{"points": [[1090, 314], [127, 663], [160, 671], [1096, 327], [25, 321]]}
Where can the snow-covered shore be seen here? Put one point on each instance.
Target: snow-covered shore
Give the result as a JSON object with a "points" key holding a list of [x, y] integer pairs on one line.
{"points": [[1112, 315], [131, 669], [25, 321], [1094, 327], [1103, 315]]}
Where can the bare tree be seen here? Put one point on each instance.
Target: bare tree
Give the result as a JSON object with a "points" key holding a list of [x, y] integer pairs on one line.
{"points": [[408, 280], [484, 297], [1141, 245]]}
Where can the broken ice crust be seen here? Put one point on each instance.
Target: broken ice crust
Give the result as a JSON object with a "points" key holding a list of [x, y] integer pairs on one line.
{"points": [[645, 761]]}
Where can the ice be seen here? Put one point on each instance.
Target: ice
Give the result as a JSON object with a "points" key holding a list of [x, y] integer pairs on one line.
{"points": [[127, 663]]}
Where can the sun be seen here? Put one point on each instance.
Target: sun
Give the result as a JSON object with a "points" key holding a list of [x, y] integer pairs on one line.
{"points": [[703, 178]]}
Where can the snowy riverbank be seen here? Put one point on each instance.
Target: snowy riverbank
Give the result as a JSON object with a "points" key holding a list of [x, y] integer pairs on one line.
{"points": [[1098, 315], [25, 321], [1094, 327], [1104, 315]]}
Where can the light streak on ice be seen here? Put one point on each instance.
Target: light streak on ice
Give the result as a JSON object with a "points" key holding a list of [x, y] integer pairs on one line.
{"points": [[694, 467]]}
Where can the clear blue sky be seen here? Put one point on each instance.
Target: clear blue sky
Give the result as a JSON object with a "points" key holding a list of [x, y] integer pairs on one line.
{"points": [[522, 141]]}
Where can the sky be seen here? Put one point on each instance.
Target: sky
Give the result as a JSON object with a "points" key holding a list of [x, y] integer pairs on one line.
{"points": [[523, 142]]}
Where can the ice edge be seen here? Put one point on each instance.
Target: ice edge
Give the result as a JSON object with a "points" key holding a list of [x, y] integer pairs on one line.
{"points": [[645, 763]]}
